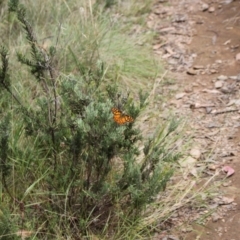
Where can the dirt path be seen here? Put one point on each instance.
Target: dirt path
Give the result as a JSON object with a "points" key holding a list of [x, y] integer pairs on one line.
{"points": [[200, 42]]}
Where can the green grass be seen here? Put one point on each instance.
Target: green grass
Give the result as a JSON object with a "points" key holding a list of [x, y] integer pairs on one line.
{"points": [[73, 26]]}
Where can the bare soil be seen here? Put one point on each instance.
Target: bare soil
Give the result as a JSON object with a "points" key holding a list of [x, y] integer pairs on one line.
{"points": [[200, 43]]}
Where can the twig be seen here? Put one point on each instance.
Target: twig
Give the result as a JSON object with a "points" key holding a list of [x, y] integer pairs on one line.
{"points": [[227, 110]]}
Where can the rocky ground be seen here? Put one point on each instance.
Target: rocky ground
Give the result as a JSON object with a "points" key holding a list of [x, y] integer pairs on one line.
{"points": [[200, 43]]}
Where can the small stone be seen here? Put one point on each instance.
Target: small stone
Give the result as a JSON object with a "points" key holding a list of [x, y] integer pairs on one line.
{"points": [[212, 167], [212, 71], [234, 77], [180, 95], [195, 153], [225, 90], [215, 217], [226, 184], [226, 200], [218, 84], [222, 77], [238, 57], [205, 7], [191, 72], [179, 18], [194, 55], [211, 9], [198, 67], [186, 230], [199, 21], [227, 1], [208, 110]]}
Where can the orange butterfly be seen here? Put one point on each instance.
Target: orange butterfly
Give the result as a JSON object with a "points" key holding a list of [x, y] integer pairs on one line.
{"points": [[121, 118]]}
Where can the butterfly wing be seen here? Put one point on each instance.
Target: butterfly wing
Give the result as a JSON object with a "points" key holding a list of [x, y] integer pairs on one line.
{"points": [[116, 115], [127, 118], [121, 118]]}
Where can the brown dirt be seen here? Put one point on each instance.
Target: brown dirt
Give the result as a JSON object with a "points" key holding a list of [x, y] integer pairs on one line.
{"points": [[198, 47]]}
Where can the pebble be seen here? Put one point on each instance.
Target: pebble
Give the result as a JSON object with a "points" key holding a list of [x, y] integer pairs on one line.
{"points": [[198, 67], [211, 9], [238, 77], [208, 110], [226, 184], [205, 7], [212, 71], [185, 230], [200, 21], [227, 1], [225, 90], [180, 95], [218, 84], [222, 77], [216, 217], [238, 57], [226, 200], [234, 77], [195, 153], [191, 72], [188, 89], [212, 167], [179, 18]]}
